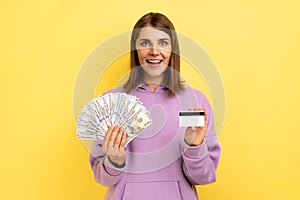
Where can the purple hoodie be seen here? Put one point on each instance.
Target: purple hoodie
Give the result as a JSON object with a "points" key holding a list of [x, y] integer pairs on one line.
{"points": [[159, 164]]}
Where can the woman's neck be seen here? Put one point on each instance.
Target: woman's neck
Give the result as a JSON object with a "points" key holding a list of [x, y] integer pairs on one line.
{"points": [[152, 86], [153, 83]]}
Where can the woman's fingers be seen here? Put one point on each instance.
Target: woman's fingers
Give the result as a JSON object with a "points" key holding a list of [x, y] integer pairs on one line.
{"points": [[195, 135], [113, 135], [118, 138], [106, 138], [123, 141], [115, 139], [205, 116], [111, 140]]}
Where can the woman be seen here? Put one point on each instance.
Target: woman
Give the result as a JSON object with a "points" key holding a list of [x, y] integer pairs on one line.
{"points": [[165, 161]]}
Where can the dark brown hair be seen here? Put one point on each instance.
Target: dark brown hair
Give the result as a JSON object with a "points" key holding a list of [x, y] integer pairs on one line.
{"points": [[172, 73]]}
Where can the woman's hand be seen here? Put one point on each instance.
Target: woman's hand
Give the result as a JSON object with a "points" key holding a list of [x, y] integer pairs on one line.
{"points": [[195, 135], [114, 143]]}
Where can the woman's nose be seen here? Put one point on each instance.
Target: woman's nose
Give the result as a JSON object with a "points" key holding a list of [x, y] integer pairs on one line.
{"points": [[154, 51]]}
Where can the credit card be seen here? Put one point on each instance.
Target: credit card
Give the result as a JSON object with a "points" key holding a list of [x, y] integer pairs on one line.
{"points": [[191, 118]]}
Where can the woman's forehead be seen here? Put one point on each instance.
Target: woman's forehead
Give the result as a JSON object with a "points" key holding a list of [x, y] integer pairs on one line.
{"points": [[152, 33]]}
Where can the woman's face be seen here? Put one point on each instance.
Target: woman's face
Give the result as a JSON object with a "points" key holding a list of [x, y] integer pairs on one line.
{"points": [[154, 52]]}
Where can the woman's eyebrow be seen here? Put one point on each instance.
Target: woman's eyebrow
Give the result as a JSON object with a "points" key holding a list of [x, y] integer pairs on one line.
{"points": [[164, 39], [144, 39]]}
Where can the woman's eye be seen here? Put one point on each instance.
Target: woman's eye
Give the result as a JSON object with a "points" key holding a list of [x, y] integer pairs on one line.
{"points": [[145, 44], [163, 43]]}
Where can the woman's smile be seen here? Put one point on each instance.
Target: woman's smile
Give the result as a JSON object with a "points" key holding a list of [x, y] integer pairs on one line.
{"points": [[154, 61]]}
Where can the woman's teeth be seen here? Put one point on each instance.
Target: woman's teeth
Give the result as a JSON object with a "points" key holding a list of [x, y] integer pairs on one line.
{"points": [[154, 61]]}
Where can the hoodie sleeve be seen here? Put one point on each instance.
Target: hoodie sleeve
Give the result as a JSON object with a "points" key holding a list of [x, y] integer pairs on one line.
{"points": [[104, 171], [200, 162]]}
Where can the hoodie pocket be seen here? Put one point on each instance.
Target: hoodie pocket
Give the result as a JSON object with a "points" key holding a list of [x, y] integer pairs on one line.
{"points": [[157, 190]]}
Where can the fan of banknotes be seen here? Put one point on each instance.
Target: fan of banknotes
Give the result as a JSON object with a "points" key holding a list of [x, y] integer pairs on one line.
{"points": [[120, 109]]}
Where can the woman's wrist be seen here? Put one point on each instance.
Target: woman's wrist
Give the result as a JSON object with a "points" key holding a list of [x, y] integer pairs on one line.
{"points": [[116, 164], [191, 144]]}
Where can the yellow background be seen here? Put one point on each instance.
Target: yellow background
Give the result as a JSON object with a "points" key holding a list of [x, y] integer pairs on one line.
{"points": [[254, 44]]}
